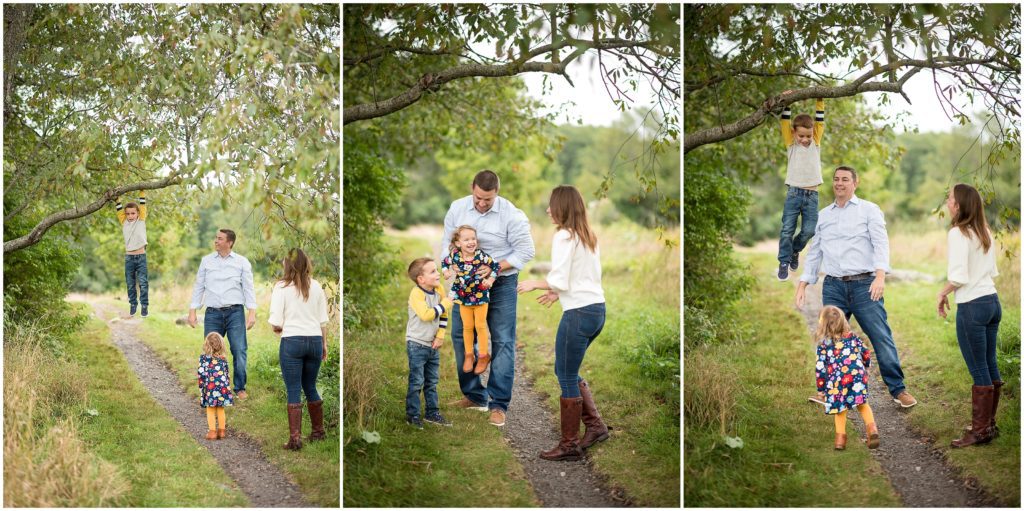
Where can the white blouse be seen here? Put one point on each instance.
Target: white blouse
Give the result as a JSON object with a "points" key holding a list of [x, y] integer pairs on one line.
{"points": [[970, 267], [575, 272], [295, 315]]}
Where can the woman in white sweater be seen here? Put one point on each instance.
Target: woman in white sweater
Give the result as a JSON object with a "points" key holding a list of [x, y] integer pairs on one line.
{"points": [[575, 281], [972, 264], [298, 313]]}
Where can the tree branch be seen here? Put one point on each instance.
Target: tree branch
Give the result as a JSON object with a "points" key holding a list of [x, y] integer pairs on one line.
{"points": [[40, 229]]}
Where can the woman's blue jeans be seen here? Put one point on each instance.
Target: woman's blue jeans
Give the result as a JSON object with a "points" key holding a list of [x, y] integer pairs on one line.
{"points": [[578, 328], [300, 365], [977, 326]]}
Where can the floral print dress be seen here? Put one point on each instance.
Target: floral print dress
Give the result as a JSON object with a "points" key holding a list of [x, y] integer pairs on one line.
{"points": [[214, 387], [842, 372], [466, 284]]}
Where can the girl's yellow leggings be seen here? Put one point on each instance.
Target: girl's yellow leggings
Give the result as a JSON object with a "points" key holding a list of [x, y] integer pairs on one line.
{"points": [[865, 413], [474, 317], [215, 412]]}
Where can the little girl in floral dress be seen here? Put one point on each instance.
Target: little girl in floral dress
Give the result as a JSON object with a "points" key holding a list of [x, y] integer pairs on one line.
{"points": [[842, 374], [471, 292], [214, 385]]}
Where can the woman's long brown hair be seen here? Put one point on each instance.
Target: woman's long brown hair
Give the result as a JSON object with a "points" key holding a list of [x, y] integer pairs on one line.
{"points": [[569, 213], [971, 214], [297, 268]]}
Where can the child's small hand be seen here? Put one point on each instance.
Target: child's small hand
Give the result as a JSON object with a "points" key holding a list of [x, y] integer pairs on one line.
{"points": [[487, 283], [449, 274], [447, 303], [437, 343]]}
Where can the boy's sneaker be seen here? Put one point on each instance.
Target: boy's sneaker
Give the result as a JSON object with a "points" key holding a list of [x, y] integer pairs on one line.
{"points": [[783, 272], [794, 262], [414, 421], [436, 418], [145, 311], [131, 313]]}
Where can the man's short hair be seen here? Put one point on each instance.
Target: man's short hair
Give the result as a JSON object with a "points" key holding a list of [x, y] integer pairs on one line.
{"points": [[848, 169], [416, 267], [229, 234], [486, 180], [803, 121], [131, 205]]}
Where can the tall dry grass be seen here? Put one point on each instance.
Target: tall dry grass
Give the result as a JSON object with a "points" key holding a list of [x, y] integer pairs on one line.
{"points": [[362, 375], [708, 393], [45, 463]]}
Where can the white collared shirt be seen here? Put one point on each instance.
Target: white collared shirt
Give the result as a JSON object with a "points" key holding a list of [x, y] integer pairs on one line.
{"points": [[970, 267], [848, 240], [503, 231], [224, 281], [575, 272]]}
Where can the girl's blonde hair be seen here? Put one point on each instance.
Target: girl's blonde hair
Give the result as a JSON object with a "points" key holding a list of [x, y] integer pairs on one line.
{"points": [[214, 345], [832, 324], [457, 234]]}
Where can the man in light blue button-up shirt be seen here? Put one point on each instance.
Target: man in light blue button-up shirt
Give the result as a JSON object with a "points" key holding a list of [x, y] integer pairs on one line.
{"points": [[224, 284], [852, 246], [504, 233]]}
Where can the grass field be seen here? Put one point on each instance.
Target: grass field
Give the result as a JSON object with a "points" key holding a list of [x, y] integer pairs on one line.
{"points": [[786, 458], [640, 402], [262, 417]]}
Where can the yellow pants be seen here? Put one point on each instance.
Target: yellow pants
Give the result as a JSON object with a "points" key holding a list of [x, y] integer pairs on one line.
{"points": [[215, 412], [474, 317], [865, 413]]}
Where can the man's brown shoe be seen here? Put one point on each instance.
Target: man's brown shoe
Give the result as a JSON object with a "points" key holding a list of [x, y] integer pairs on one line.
{"points": [[818, 398], [242, 394], [482, 362], [905, 400], [211, 435], [497, 417], [466, 403]]}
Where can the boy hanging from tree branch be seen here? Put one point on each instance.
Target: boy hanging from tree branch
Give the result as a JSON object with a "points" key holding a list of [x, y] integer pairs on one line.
{"points": [[132, 217]]}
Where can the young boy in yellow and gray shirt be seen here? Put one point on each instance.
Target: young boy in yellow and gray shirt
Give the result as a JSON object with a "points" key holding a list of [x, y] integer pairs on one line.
{"points": [[133, 225], [802, 138], [424, 333]]}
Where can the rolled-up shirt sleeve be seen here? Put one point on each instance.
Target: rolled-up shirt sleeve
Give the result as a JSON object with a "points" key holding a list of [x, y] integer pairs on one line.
{"points": [[957, 272], [814, 255], [248, 287], [879, 239], [561, 262], [199, 287], [521, 240]]}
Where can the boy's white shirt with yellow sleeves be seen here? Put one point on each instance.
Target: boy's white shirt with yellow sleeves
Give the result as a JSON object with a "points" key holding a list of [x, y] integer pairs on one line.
{"points": [[804, 165], [428, 317], [134, 232]]}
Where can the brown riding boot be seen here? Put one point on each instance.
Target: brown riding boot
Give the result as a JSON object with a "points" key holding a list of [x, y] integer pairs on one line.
{"points": [[294, 427], [316, 417], [597, 431], [568, 448], [993, 428], [981, 418]]}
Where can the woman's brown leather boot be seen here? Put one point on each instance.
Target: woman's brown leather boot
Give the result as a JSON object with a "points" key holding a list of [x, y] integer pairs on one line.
{"points": [[316, 417], [294, 427], [568, 448], [981, 417], [597, 431]]}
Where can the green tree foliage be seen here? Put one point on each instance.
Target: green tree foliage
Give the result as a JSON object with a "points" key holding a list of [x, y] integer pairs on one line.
{"points": [[104, 99]]}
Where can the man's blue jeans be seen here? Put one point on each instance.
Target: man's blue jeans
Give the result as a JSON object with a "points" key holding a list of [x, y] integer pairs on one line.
{"points": [[300, 364], [229, 322], [501, 319], [977, 326], [799, 202], [854, 298], [577, 329], [424, 373], [135, 271]]}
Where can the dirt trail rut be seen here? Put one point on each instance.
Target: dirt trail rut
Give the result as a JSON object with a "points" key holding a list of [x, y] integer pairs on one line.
{"points": [[263, 483], [917, 471]]}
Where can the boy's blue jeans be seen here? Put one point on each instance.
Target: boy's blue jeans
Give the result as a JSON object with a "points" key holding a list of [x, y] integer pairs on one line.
{"points": [[977, 326], [799, 202], [577, 329], [424, 374], [135, 271], [854, 298], [501, 320], [300, 364], [229, 322]]}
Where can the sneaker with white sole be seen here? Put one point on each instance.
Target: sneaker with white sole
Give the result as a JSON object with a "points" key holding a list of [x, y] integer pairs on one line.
{"points": [[466, 403], [783, 272], [794, 262], [904, 399], [817, 398], [436, 418], [497, 417]]}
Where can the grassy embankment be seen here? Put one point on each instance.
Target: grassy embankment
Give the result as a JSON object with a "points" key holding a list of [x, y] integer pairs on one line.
{"points": [[787, 457], [81, 431], [407, 467]]}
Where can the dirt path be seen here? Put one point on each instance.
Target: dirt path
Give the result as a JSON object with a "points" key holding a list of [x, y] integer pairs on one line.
{"points": [[263, 483], [917, 471], [529, 430]]}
